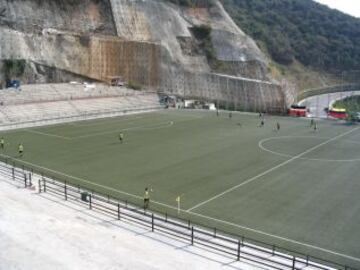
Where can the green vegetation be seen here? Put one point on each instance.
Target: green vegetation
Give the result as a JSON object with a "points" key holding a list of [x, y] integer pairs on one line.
{"points": [[350, 104], [200, 155], [192, 3], [202, 33], [134, 85], [14, 68], [84, 40], [301, 30]]}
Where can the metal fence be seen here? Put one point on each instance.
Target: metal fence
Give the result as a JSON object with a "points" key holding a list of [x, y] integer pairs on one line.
{"points": [[237, 247]]}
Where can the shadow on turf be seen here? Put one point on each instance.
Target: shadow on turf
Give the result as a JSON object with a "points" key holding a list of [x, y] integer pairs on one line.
{"points": [[114, 222]]}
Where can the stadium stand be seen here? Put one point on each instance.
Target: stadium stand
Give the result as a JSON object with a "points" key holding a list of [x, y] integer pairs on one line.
{"points": [[59, 101]]}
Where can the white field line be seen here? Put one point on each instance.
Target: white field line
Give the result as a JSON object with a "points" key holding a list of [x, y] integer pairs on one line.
{"points": [[160, 125], [193, 213], [47, 134], [102, 122], [167, 124], [262, 147], [272, 169], [70, 176], [276, 236]]}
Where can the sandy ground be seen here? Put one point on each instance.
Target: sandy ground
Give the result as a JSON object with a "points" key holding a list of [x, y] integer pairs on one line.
{"points": [[43, 232]]}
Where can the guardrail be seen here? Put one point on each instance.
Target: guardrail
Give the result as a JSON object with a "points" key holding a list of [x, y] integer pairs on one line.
{"points": [[239, 248], [328, 90]]}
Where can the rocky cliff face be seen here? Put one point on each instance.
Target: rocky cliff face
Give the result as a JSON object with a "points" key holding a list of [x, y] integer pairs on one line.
{"points": [[77, 16], [197, 52]]}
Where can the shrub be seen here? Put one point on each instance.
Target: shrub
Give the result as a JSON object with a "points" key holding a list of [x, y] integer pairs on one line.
{"points": [[134, 86], [14, 68]]}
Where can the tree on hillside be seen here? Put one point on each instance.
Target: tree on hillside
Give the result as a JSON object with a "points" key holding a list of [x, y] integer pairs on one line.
{"points": [[304, 30]]}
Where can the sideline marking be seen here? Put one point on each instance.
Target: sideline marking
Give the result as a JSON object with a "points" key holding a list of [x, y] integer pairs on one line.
{"points": [[273, 168], [193, 213], [47, 134], [101, 122], [160, 125], [277, 237], [262, 147], [70, 176]]}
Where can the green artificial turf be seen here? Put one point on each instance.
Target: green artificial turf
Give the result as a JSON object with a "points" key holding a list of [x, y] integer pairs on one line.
{"points": [[295, 188]]}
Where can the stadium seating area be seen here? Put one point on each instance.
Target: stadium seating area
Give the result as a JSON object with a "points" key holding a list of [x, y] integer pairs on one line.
{"points": [[51, 101]]}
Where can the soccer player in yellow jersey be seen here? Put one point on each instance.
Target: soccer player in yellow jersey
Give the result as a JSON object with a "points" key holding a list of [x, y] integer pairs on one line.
{"points": [[146, 198], [21, 149]]}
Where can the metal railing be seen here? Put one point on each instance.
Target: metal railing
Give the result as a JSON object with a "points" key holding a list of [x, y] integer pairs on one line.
{"points": [[328, 90], [239, 248]]}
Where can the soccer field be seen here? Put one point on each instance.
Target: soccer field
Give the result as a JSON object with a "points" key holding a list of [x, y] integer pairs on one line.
{"points": [[295, 188]]}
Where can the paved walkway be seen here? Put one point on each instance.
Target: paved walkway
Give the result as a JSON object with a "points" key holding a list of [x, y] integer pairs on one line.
{"points": [[317, 104]]}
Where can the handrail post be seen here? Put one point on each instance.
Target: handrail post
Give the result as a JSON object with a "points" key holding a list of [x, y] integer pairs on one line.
{"points": [[192, 235], [90, 201], [118, 210], [238, 250], [44, 180], [152, 222], [25, 180], [39, 182], [293, 263], [65, 191], [30, 180], [13, 172], [215, 232]]}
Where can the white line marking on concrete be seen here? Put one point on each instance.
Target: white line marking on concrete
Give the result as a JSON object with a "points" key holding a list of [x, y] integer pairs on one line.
{"points": [[47, 134], [273, 169], [193, 213]]}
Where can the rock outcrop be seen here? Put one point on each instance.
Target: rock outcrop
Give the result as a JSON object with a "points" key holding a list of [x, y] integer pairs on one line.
{"points": [[188, 51]]}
